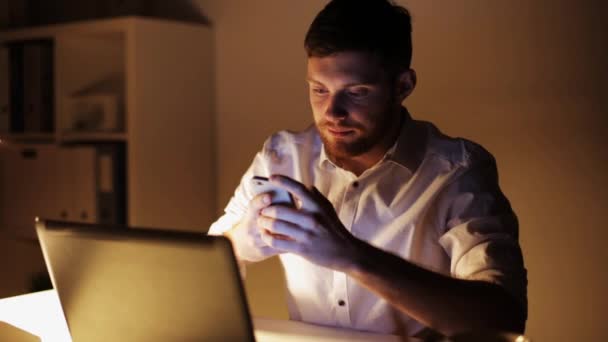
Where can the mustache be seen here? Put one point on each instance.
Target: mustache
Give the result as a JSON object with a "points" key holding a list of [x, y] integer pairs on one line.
{"points": [[339, 126]]}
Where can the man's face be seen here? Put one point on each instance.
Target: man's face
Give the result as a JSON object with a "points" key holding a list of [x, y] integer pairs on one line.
{"points": [[353, 102]]}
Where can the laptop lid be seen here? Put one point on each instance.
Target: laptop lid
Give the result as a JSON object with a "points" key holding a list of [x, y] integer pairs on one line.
{"points": [[124, 284]]}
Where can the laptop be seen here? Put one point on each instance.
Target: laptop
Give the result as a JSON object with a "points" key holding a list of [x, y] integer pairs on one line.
{"points": [[126, 284]]}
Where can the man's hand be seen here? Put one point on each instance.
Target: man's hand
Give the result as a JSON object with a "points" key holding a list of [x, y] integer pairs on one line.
{"points": [[246, 235], [312, 230]]}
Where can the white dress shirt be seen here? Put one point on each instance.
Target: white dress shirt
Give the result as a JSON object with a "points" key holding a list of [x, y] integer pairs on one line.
{"points": [[432, 199]]}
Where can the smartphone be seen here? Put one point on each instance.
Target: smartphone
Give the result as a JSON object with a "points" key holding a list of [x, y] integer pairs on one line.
{"points": [[262, 185]]}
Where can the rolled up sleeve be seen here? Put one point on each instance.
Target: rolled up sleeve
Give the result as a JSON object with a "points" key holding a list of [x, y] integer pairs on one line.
{"points": [[480, 229]]}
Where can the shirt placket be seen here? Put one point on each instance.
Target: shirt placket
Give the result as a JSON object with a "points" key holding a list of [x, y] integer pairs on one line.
{"points": [[347, 215]]}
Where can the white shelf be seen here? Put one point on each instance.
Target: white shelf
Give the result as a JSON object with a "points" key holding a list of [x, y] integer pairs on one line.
{"points": [[100, 27], [161, 72], [113, 26], [75, 137], [27, 137], [72, 137]]}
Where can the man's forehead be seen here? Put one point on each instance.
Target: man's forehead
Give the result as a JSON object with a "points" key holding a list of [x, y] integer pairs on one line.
{"points": [[356, 67]]}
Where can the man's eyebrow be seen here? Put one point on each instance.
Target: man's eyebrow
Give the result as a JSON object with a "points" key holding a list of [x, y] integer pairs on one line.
{"points": [[351, 84], [312, 80]]}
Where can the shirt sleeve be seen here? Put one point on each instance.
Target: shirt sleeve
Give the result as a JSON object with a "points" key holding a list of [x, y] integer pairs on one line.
{"points": [[480, 229], [238, 204]]}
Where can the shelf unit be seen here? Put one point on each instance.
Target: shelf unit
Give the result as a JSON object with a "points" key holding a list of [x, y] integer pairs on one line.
{"points": [[76, 137], [160, 72], [27, 137]]}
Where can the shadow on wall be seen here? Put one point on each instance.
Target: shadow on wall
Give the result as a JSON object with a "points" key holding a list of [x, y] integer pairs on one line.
{"points": [[23, 13]]}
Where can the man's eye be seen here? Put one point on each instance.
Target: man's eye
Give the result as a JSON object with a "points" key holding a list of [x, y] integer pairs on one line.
{"points": [[358, 93], [319, 91]]}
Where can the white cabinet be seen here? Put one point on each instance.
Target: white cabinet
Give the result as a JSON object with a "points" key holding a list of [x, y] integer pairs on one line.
{"points": [[57, 183], [154, 77]]}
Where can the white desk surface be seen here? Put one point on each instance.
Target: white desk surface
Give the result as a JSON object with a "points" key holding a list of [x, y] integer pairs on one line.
{"points": [[40, 314]]}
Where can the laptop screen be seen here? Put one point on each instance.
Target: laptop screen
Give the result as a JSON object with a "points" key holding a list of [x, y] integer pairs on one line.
{"points": [[117, 283]]}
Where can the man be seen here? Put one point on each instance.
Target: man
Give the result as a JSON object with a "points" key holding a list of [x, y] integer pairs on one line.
{"points": [[396, 227]]}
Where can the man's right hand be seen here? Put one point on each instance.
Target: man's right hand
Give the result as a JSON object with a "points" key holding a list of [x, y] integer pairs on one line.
{"points": [[246, 235]]}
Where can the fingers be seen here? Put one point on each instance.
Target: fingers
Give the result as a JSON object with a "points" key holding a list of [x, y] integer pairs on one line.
{"points": [[253, 248], [291, 215], [268, 251], [297, 189], [281, 244], [283, 230]]}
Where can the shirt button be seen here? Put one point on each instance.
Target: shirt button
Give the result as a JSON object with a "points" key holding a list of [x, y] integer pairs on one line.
{"points": [[341, 302], [355, 184]]}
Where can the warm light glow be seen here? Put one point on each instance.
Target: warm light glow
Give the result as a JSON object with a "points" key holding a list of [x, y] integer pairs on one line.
{"points": [[39, 314], [522, 338]]}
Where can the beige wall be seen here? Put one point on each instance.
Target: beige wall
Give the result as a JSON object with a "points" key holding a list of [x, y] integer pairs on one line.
{"points": [[527, 79]]}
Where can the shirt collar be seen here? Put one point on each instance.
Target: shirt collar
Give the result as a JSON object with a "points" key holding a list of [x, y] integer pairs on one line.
{"points": [[410, 146], [323, 159]]}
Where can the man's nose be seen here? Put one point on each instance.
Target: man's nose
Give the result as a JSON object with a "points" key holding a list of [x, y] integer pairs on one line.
{"points": [[336, 108]]}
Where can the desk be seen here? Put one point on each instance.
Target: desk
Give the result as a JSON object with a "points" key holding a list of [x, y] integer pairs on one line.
{"points": [[40, 314]]}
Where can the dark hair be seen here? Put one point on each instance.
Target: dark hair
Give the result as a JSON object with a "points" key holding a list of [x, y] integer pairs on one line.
{"points": [[375, 26]]}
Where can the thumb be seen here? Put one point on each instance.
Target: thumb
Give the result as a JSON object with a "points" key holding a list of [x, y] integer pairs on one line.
{"points": [[259, 202]]}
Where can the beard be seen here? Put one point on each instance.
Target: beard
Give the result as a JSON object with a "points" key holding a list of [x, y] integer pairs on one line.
{"points": [[366, 136], [346, 148]]}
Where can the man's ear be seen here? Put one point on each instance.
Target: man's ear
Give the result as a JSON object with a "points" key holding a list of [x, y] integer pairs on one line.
{"points": [[406, 82]]}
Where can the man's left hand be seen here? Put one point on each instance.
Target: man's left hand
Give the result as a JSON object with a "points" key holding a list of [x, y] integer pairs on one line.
{"points": [[311, 229]]}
